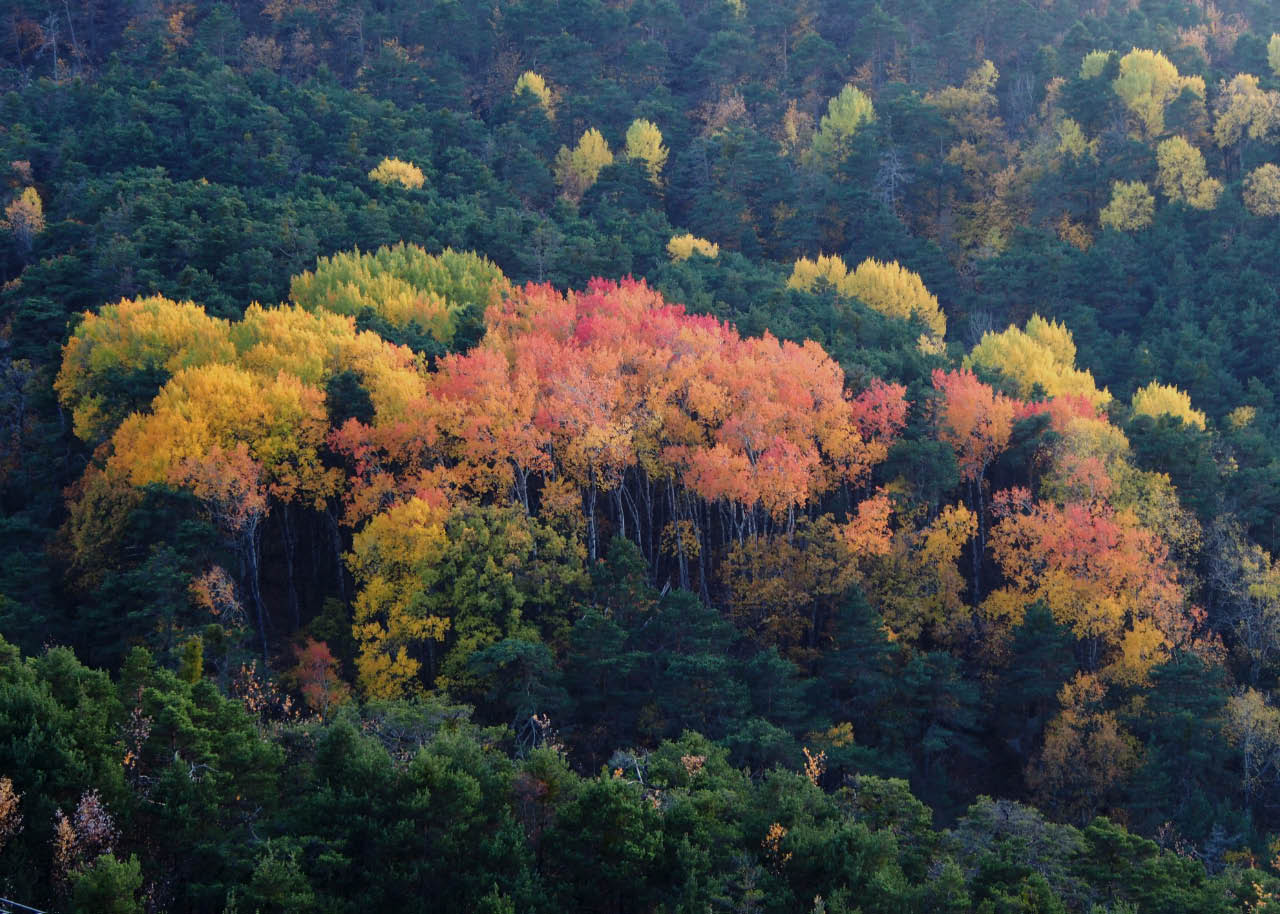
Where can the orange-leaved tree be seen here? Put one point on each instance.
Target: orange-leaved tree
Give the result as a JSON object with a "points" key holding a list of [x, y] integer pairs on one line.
{"points": [[977, 422]]}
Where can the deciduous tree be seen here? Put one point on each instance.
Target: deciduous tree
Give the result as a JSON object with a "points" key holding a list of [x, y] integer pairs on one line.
{"points": [[24, 219], [1131, 208], [1262, 191], [536, 86], [1158, 399], [1183, 176], [1042, 356], [846, 115], [1243, 109], [644, 144], [1147, 83], [682, 247], [394, 171], [577, 169]]}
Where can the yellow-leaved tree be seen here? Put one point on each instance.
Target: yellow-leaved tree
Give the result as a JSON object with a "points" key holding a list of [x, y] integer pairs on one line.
{"points": [[1158, 399], [644, 144], [682, 247], [1043, 356], [1094, 63], [887, 287], [891, 289], [918, 585], [829, 268], [404, 285], [395, 560], [437, 584], [24, 218], [1072, 141], [1243, 109], [536, 86], [1262, 190], [1131, 208], [1086, 751], [118, 359], [847, 114], [1183, 176], [577, 169], [1147, 83], [1253, 726], [237, 414], [394, 171], [1273, 54], [281, 420]]}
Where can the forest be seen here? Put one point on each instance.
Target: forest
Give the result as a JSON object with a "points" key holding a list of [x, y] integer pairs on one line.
{"points": [[640, 456]]}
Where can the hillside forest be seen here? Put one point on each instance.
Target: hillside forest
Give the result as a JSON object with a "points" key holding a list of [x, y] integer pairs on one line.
{"points": [[640, 456]]}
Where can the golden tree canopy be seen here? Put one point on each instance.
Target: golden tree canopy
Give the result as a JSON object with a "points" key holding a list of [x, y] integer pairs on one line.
{"points": [[402, 284], [682, 247], [887, 287], [1262, 190], [1244, 109], [1147, 83], [806, 273], [1183, 175], [894, 290], [846, 114], [1093, 64], [394, 171], [534, 84], [24, 217], [1042, 355], [1131, 208], [1158, 399], [644, 144], [577, 169]]}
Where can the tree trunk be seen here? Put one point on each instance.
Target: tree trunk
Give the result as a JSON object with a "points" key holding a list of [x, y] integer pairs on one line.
{"points": [[591, 522], [340, 568], [250, 547], [682, 560], [290, 549]]}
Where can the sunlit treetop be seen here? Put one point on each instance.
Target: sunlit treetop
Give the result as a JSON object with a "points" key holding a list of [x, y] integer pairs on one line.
{"points": [[317, 346], [1158, 399], [1262, 190], [394, 171], [644, 144], [1093, 64], [576, 169], [1148, 82], [1244, 109], [846, 115], [1038, 359], [24, 218], [402, 285], [281, 421], [829, 268], [1132, 207], [888, 288], [1073, 142], [536, 86], [1183, 176], [974, 98], [682, 247], [117, 359], [894, 290]]}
